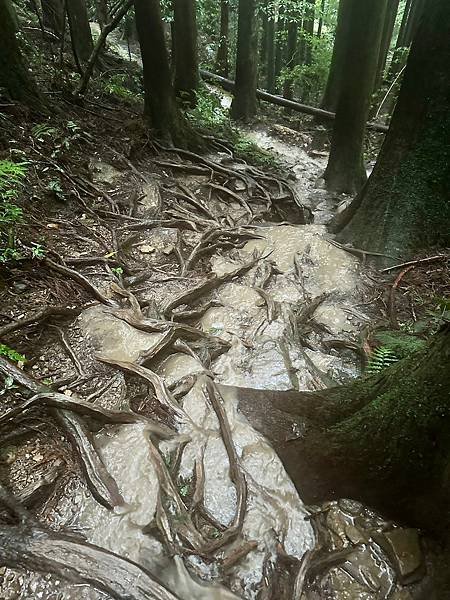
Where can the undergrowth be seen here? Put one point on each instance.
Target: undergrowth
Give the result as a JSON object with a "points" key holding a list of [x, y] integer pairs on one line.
{"points": [[212, 117], [12, 179]]}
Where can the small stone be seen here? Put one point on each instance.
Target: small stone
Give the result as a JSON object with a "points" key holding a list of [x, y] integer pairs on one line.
{"points": [[168, 250], [68, 393], [403, 548], [320, 184], [38, 457], [146, 249], [355, 535], [52, 226]]}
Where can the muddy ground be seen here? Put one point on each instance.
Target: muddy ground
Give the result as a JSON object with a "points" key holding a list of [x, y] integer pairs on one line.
{"points": [[177, 277]]}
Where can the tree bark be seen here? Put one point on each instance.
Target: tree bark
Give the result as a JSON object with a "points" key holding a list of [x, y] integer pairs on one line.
{"points": [[384, 440], [401, 32], [53, 15], [14, 76], [291, 58], [308, 29], [279, 45], [388, 29], [405, 204], [271, 55], [222, 63], [322, 13], [101, 10], [186, 52], [160, 103], [80, 31], [414, 16], [345, 171], [244, 105], [333, 87]]}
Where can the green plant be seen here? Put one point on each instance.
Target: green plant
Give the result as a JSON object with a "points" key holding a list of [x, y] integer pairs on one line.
{"points": [[382, 357], [43, 130], [12, 176], [117, 270], [209, 113], [116, 86], [11, 353]]}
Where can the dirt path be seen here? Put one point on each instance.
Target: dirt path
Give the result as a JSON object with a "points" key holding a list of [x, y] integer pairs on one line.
{"points": [[199, 284]]}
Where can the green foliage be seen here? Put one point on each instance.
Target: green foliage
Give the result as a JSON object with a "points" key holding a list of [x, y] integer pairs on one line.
{"points": [[382, 357], [11, 354], [209, 113], [251, 152], [12, 176], [43, 130]]}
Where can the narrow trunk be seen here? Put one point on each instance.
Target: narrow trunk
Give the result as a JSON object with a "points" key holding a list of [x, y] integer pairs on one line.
{"points": [[415, 14], [332, 90], [160, 102], [244, 103], [271, 56], [80, 31], [345, 171], [53, 15], [388, 29], [263, 41], [308, 29], [101, 10], [322, 13], [186, 53], [222, 64], [383, 440], [15, 78], [401, 34], [405, 205], [279, 46], [291, 58]]}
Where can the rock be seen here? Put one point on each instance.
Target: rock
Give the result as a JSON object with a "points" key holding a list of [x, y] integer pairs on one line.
{"points": [[146, 249], [150, 204], [402, 546], [320, 184]]}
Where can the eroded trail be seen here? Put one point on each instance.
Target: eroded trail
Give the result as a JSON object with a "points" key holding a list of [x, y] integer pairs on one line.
{"points": [[204, 286]]}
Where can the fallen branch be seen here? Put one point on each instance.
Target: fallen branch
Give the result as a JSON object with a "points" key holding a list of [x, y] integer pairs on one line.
{"points": [[228, 84], [417, 262]]}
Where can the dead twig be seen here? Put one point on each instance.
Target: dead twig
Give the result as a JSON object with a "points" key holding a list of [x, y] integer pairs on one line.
{"points": [[392, 312], [419, 261]]}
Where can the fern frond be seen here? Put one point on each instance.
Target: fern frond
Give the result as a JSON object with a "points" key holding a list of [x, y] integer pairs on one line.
{"points": [[381, 358]]}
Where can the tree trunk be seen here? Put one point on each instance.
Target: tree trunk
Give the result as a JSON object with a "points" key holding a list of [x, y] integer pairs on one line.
{"points": [[405, 204], [53, 16], [14, 76], [186, 52], [401, 32], [101, 10], [279, 45], [244, 105], [271, 55], [80, 31], [291, 58], [414, 16], [388, 29], [322, 13], [333, 87], [160, 102], [345, 171], [308, 29], [222, 64], [383, 440]]}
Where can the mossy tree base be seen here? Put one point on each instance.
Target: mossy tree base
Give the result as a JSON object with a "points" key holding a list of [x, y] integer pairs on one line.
{"points": [[384, 440]]}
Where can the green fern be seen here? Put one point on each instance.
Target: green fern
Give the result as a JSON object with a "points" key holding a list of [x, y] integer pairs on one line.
{"points": [[381, 358], [43, 130], [11, 353]]}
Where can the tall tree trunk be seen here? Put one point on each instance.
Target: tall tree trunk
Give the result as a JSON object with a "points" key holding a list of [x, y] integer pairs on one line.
{"points": [[414, 16], [405, 204], [279, 45], [80, 31], [271, 55], [14, 76], [101, 10], [222, 64], [384, 440], [388, 29], [308, 28], [345, 171], [186, 52], [53, 15], [322, 13], [291, 58], [401, 33], [337, 67], [244, 105], [160, 102]]}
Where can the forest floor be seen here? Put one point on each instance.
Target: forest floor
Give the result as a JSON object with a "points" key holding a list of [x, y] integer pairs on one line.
{"points": [[157, 272]]}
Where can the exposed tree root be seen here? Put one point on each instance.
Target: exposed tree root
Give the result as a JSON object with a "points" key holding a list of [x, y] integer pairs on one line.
{"points": [[81, 279], [40, 317]]}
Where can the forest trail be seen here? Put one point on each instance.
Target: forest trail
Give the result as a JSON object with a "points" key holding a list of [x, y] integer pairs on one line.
{"points": [[218, 289]]}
